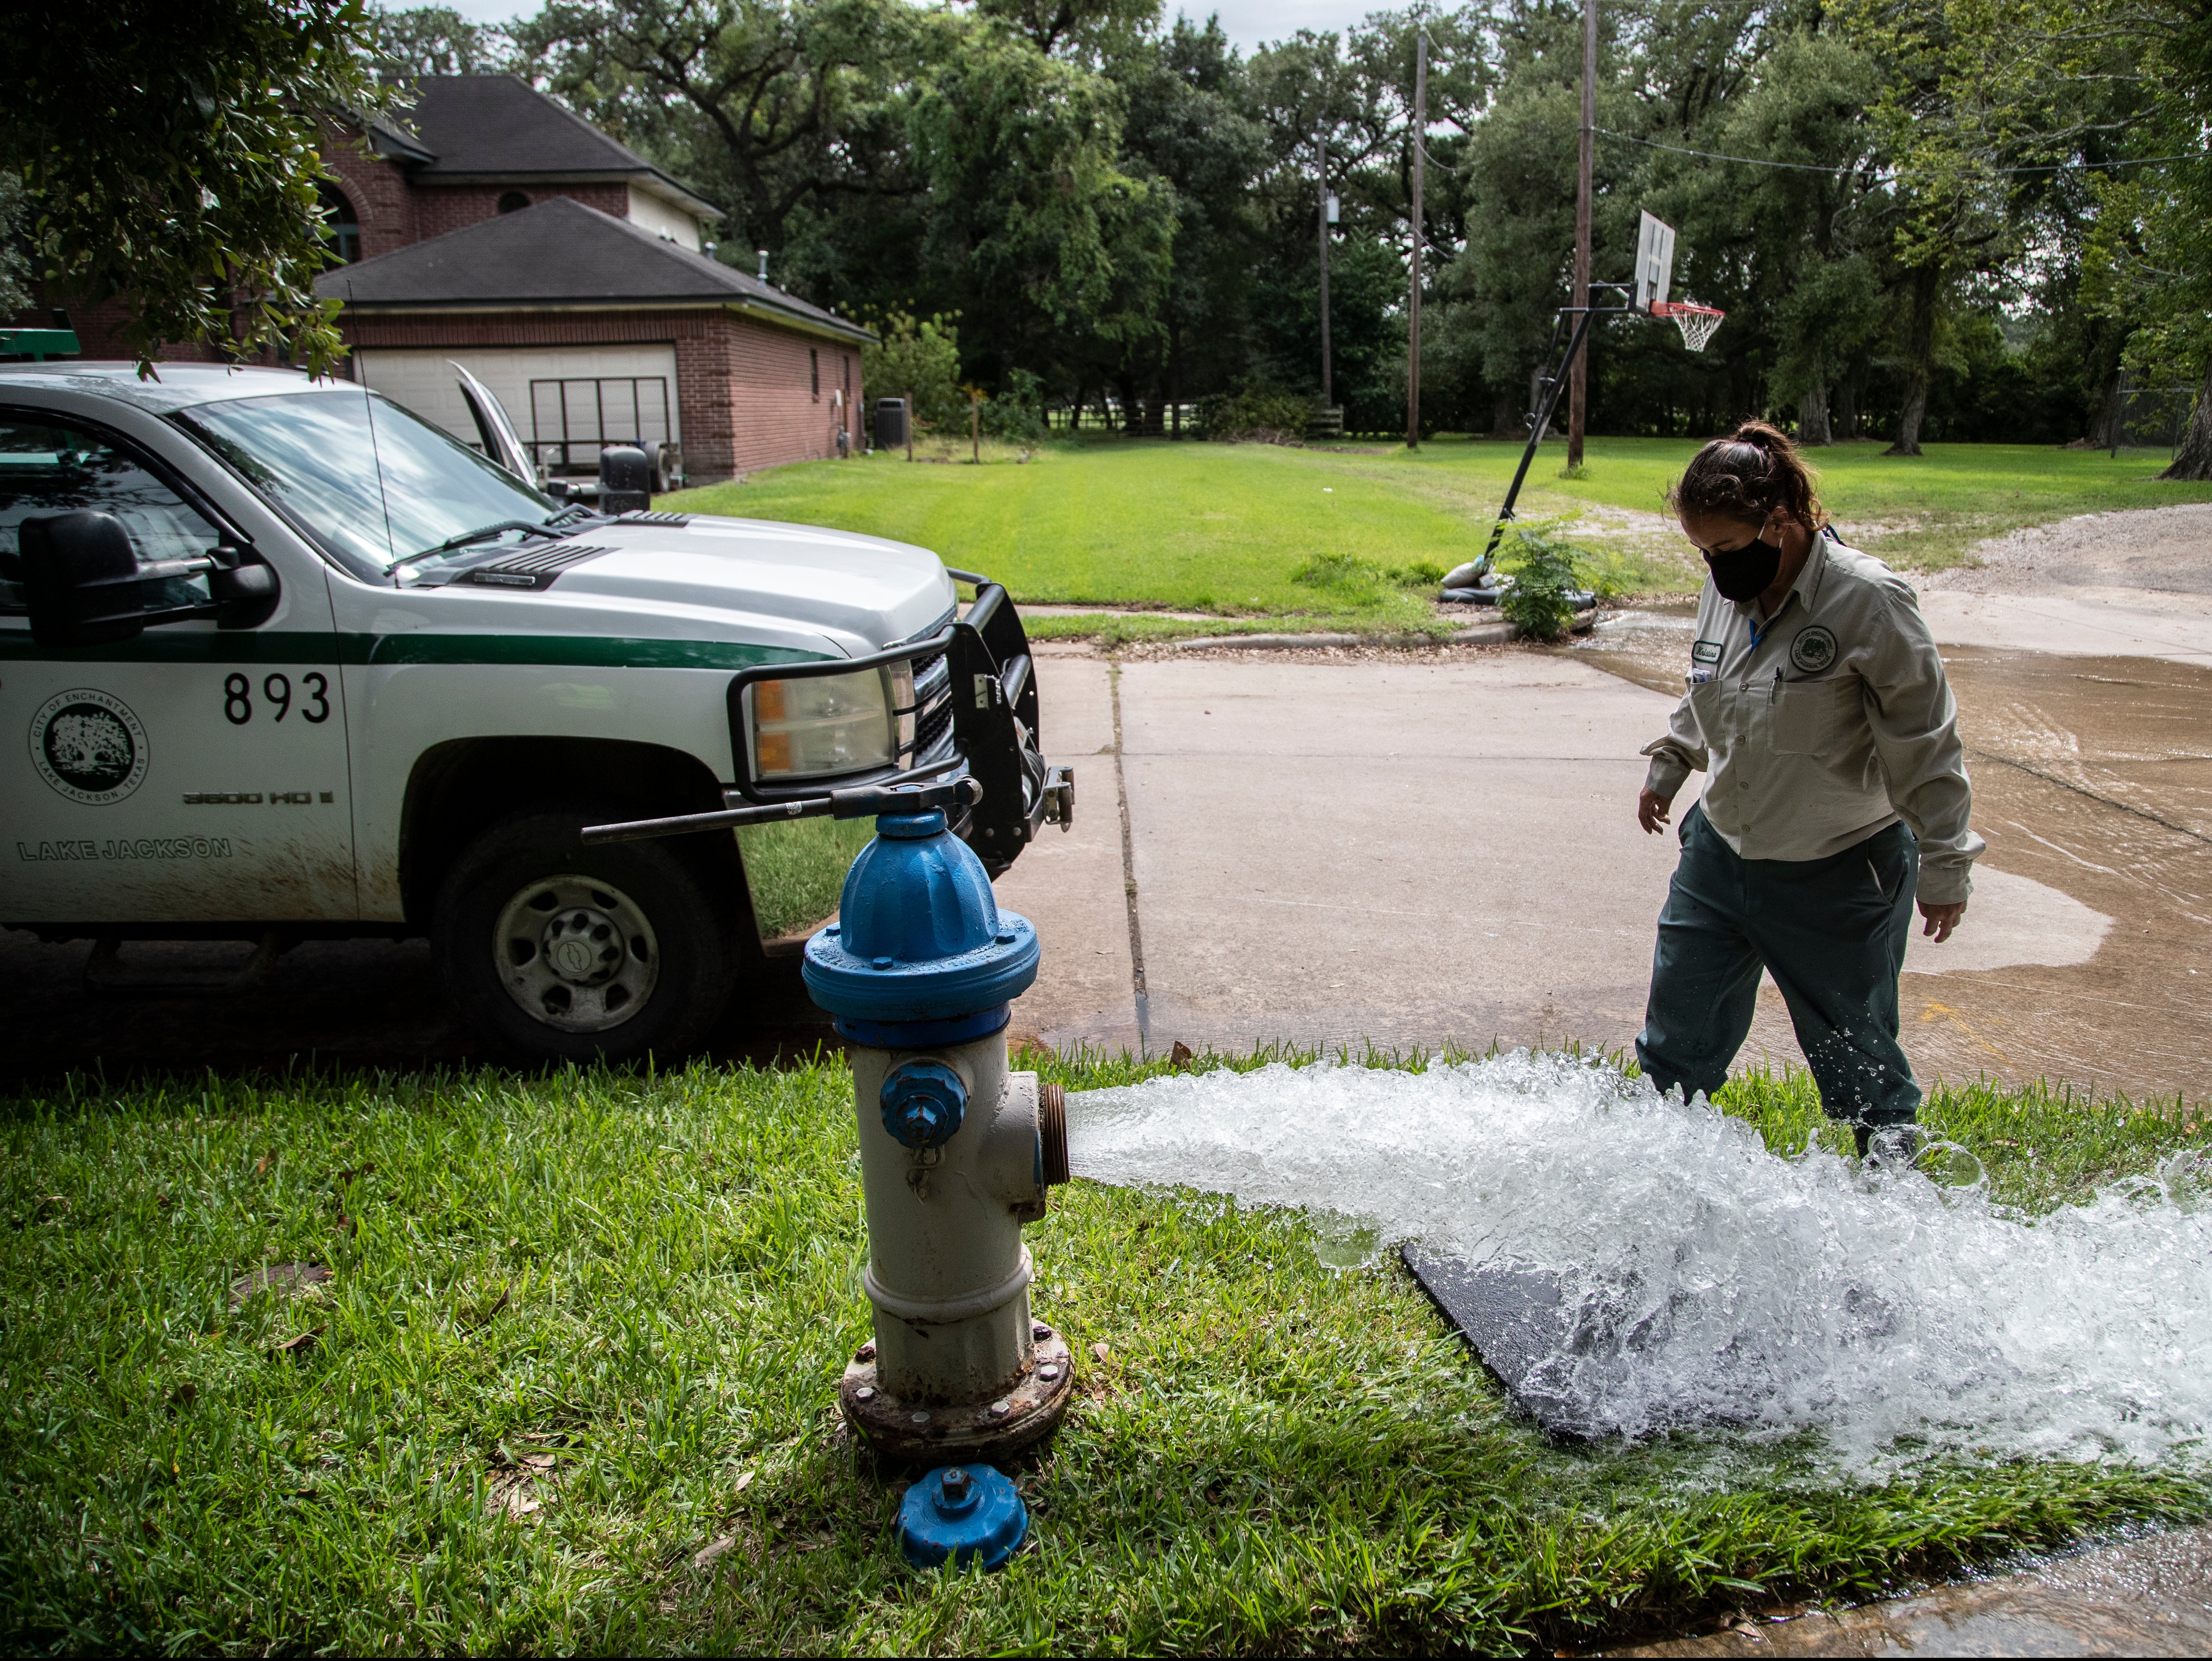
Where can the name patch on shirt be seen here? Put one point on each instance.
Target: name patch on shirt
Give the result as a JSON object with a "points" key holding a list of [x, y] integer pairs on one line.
{"points": [[1813, 649], [1706, 651]]}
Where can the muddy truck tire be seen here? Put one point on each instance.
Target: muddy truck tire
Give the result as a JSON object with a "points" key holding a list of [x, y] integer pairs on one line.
{"points": [[558, 952]]}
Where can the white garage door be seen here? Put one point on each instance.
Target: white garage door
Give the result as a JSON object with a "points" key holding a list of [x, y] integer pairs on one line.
{"points": [[576, 396]]}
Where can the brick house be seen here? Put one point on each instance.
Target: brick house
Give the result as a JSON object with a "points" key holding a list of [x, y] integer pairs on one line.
{"points": [[492, 228]]}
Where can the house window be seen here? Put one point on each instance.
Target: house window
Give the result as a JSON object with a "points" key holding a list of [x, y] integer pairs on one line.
{"points": [[814, 369], [847, 362], [513, 202], [341, 225]]}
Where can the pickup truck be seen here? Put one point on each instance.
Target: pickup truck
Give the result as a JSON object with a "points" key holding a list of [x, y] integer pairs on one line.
{"points": [[285, 661]]}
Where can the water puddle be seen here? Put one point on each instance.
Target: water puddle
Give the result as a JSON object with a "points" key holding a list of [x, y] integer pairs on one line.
{"points": [[1706, 1282]]}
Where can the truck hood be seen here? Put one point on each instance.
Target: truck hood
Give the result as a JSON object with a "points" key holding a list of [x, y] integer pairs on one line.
{"points": [[864, 593]]}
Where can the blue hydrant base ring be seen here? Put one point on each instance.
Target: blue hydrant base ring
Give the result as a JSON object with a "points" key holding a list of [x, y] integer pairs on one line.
{"points": [[967, 1432]]}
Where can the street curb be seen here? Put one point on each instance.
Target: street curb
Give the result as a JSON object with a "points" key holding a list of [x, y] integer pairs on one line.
{"points": [[1487, 634]]}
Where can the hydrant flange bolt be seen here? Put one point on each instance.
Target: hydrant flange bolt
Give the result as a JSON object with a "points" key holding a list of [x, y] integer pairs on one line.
{"points": [[995, 1428]]}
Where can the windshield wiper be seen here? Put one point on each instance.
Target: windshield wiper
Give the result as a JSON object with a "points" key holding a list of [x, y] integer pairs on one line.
{"points": [[482, 533]]}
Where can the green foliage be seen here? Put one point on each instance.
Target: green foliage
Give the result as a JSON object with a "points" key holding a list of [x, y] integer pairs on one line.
{"points": [[1262, 413], [1540, 601], [15, 267], [1125, 206], [581, 1327], [173, 154], [1016, 414], [419, 40], [918, 360]]}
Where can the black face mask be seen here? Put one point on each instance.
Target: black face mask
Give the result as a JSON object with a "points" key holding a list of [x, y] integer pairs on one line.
{"points": [[1744, 574]]}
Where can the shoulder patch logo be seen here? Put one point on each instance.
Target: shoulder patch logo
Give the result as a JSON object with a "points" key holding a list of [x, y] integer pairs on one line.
{"points": [[1706, 651], [89, 746], [1813, 649]]}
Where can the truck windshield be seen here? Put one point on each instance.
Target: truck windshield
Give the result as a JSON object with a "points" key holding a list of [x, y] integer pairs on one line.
{"points": [[376, 483]]}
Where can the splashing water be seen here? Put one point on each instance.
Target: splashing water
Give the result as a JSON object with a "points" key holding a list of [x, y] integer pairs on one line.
{"points": [[1706, 1280]]}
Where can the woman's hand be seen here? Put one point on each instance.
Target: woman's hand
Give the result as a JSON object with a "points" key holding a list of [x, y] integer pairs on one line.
{"points": [[1652, 810], [1941, 919]]}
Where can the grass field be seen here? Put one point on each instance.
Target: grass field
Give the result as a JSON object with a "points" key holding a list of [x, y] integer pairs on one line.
{"points": [[582, 1326], [1359, 533]]}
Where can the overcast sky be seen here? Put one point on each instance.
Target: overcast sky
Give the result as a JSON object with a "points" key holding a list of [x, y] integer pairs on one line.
{"points": [[1246, 22]]}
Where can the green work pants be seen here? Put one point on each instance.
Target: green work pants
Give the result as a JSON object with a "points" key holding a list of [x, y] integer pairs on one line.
{"points": [[1831, 931]]}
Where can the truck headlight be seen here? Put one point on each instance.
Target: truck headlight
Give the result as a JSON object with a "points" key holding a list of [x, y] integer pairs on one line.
{"points": [[817, 725]]}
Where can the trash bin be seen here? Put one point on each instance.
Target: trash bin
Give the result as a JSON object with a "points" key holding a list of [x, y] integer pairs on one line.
{"points": [[890, 423]]}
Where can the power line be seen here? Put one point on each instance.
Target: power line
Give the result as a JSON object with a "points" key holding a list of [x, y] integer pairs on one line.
{"points": [[1900, 173]]}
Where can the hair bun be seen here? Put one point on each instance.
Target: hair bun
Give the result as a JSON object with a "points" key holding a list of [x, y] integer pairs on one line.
{"points": [[1721, 479]]}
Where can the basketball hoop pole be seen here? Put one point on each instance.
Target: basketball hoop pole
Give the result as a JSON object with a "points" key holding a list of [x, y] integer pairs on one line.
{"points": [[1554, 386]]}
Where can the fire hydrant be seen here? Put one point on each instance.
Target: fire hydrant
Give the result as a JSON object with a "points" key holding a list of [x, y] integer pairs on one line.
{"points": [[956, 1153]]}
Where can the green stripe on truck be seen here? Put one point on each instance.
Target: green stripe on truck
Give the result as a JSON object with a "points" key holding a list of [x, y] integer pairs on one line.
{"points": [[313, 646]]}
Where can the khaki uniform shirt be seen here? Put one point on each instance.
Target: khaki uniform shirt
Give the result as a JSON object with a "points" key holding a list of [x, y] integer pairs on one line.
{"points": [[1824, 723]]}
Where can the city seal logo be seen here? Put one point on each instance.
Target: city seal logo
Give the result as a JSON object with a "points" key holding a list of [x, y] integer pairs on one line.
{"points": [[89, 746], [1813, 649]]}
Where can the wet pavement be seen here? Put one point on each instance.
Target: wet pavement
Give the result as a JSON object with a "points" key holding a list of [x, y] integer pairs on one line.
{"points": [[2149, 1596]]}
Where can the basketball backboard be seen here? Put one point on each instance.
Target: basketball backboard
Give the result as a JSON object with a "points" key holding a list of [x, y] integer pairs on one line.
{"points": [[1655, 261]]}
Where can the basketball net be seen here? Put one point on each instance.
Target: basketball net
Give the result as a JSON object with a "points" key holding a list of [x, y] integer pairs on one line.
{"points": [[1696, 322]]}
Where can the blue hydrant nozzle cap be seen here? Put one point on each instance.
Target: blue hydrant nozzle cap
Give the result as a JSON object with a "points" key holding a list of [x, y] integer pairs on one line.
{"points": [[923, 1104], [986, 1524]]}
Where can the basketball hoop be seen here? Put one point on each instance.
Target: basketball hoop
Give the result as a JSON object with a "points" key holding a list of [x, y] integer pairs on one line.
{"points": [[1696, 322]]}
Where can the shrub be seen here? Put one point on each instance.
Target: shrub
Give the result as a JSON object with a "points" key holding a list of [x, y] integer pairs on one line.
{"points": [[1016, 414], [1262, 413], [1543, 581], [918, 358]]}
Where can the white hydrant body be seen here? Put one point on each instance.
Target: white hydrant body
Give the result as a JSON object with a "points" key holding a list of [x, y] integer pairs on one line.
{"points": [[956, 1151]]}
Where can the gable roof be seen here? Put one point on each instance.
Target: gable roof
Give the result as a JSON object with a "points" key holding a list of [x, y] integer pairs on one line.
{"points": [[562, 253], [491, 128]]}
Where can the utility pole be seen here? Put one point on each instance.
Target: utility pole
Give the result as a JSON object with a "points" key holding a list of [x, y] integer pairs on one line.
{"points": [[1413, 295], [1578, 374], [1321, 215]]}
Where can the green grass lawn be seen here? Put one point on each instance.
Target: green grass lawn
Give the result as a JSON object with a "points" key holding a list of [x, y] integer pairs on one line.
{"points": [[582, 1325], [1358, 534]]}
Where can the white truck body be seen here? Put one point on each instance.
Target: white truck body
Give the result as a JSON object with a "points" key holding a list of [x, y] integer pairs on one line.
{"points": [[199, 778]]}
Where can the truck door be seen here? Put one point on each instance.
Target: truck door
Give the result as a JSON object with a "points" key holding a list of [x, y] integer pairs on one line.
{"points": [[191, 774]]}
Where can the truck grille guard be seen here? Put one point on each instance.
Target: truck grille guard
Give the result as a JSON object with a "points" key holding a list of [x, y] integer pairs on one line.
{"points": [[975, 715]]}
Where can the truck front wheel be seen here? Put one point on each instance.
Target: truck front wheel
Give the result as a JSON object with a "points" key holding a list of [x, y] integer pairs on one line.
{"points": [[566, 953]]}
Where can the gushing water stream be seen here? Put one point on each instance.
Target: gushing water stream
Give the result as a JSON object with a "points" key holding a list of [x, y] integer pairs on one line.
{"points": [[1707, 1281]]}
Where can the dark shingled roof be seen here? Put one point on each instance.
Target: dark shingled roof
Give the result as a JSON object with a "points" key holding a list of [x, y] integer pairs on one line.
{"points": [[556, 253], [499, 126]]}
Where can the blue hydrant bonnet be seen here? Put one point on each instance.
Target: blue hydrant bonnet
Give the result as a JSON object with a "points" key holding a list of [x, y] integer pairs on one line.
{"points": [[919, 936]]}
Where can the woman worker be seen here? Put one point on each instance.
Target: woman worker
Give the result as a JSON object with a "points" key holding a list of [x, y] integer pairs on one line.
{"points": [[1836, 793]]}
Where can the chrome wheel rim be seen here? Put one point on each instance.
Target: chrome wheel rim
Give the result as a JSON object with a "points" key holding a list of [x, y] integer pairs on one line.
{"points": [[576, 953]]}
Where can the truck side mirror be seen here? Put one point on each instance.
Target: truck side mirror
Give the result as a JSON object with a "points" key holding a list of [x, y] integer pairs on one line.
{"points": [[245, 594], [625, 480], [81, 579]]}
